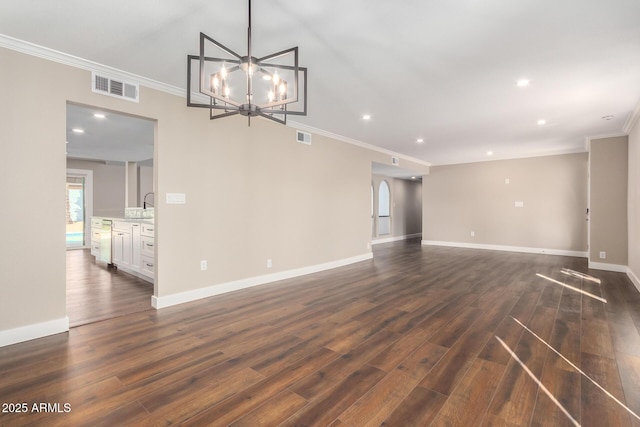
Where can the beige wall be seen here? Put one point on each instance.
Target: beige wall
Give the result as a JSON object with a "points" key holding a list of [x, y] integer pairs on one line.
{"points": [[252, 193], [608, 163], [634, 203], [108, 186], [406, 206], [145, 182], [459, 199], [32, 154]]}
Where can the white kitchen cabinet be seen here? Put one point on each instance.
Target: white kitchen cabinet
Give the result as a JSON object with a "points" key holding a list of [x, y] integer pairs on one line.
{"points": [[121, 241], [147, 249], [96, 234], [132, 245]]}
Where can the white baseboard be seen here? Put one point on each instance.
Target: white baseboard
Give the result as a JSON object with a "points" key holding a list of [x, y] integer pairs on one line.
{"points": [[634, 279], [528, 250], [30, 332], [196, 294], [608, 267], [395, 238]]}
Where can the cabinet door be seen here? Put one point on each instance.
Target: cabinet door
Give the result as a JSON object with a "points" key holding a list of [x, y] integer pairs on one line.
{"points": [[126, 249], [135, 246], [122, 248], [116, 247]]}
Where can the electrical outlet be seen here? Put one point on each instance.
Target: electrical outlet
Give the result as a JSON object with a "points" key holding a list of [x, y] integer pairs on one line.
{"points": [[603, 255], [269, 263], [507, 180], [203, 265], [473, 234]]}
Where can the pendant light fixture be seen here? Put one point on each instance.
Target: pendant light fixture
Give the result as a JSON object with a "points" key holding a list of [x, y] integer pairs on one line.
{"points": [[228, 84]]}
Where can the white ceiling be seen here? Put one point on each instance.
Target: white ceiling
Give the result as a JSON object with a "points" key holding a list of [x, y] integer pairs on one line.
{"points": [[114, 137], [441, 70]]}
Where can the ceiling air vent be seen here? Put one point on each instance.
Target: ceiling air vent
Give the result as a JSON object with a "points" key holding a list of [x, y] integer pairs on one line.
{"points": [[115, 87], [303, 137]]}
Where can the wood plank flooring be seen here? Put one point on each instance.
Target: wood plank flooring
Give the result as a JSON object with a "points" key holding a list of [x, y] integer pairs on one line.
{"points": [[96, 293], [407, 339]]}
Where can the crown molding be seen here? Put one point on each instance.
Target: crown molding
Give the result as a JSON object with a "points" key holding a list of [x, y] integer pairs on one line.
{"points": [[588, 139], [77, 62], [111, 72], [633, 118], [316, 131]]}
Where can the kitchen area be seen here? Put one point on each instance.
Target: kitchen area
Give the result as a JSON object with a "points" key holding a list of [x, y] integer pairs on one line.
{"points": [[111, 263]]}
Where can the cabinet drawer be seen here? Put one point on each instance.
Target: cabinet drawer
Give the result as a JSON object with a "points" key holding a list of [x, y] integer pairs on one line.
{"points": [[147, 245], [122, 226], [147, 266], [96, 222], [148, 230], [95, 249], [96, 235]]}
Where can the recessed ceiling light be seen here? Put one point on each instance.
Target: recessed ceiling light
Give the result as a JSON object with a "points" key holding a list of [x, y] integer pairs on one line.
{"points": [[78, 130], [489, 153], [609, 117], [413, 177], [99, 116], [542, 122], [523, 82], [366, 117], [419, 140]]}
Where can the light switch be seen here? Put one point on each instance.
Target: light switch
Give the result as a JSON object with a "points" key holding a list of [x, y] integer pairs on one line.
{"points": [[176, 198], [519, 204]]}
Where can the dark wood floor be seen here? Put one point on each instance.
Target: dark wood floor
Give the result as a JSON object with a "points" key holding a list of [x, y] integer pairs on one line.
{"points": [[408, 339], [96, 293]]}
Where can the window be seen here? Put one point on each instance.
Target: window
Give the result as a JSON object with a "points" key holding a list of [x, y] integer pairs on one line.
{"points": [[384, 209]]}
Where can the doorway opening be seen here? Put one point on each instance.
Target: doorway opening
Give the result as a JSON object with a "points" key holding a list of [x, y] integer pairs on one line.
{"points": [[110, 158], [396, 203]]}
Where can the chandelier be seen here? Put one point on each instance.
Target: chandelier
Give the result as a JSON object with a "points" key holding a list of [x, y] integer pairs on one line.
{"points": [[228, 84]]}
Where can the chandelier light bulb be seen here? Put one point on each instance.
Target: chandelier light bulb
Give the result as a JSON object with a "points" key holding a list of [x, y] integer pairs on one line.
{"points": [[223, 72], [276, 78], [271, 96]]}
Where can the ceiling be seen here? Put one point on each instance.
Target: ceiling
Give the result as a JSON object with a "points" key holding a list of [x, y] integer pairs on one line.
{"points": [[109, 136], [440, 70]]}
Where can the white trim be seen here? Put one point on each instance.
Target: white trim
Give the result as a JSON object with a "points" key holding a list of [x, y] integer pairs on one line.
{"points": [[196, 294], [523, 249], [634, 279], [602, 136], [30, 332], [395, 239], [608, 267], [114, 73], [74, 61], [352, 141], [633, 118], [520, 156]]}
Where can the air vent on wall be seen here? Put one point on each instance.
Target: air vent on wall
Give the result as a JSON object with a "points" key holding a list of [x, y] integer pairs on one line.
{"points": [[395, 161], [303, 137], [114, 87]]}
